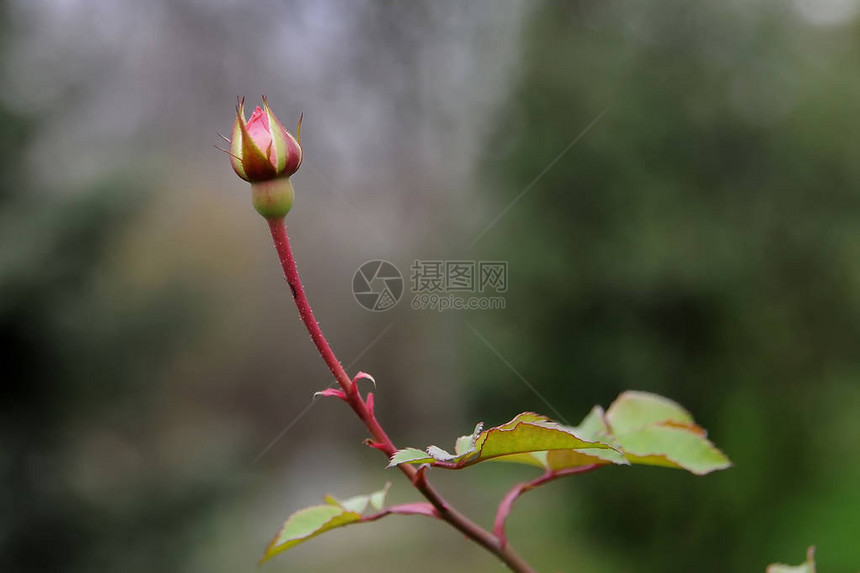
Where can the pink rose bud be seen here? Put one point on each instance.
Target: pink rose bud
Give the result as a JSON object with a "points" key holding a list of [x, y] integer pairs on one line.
{"points": [[264, 153], [261, 149]]}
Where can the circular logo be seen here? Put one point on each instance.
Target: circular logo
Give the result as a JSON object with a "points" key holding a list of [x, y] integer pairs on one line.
{"points": [[377, 285]]}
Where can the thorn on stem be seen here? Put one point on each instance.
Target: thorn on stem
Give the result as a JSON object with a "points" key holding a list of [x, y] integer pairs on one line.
{"points": [[374, 444], [419, 475], [332, 392], [364, 375]]}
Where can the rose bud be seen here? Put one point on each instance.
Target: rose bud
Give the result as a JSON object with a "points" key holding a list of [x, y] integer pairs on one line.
{"points": [[264, 153]]}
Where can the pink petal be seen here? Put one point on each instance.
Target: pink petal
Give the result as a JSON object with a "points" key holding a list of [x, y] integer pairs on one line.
{"points": [[258, 129]]}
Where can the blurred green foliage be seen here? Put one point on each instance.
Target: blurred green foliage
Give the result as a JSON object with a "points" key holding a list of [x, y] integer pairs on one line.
{"points": [[78, 372], [701, 241]]}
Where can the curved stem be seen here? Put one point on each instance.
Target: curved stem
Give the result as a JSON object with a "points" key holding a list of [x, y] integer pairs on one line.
{"points": [[508, 501], [381, 441], [285, 253]]}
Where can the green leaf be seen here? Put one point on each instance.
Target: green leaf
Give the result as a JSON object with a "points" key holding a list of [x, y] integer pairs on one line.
{"points": [[594, 426], [410, 456], [653, 430], [807, 567], [316, 520], [638, 428], [564, 459], [633, 410], [512, 442], [466, 444]]}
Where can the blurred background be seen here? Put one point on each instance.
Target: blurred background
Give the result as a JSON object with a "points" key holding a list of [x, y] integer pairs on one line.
{"points": [[674, 186]]}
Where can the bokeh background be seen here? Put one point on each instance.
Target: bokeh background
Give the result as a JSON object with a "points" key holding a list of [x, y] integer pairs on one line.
{"points": [[675, 186]]}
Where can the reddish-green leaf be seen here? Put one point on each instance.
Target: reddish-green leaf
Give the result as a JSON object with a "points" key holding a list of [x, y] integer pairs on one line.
{"points": [[638, 428], [526, 433]]}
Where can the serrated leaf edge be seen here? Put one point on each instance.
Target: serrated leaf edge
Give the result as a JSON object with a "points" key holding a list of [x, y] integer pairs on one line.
{"points": [[375, 499]]}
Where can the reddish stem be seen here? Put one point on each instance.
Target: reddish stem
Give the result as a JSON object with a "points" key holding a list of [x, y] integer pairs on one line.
{"points": [[418, 508], [381, 440], [508, 501], [285, 253]]}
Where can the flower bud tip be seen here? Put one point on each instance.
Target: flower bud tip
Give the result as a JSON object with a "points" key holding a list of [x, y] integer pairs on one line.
{"points": [[262, 149]]}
